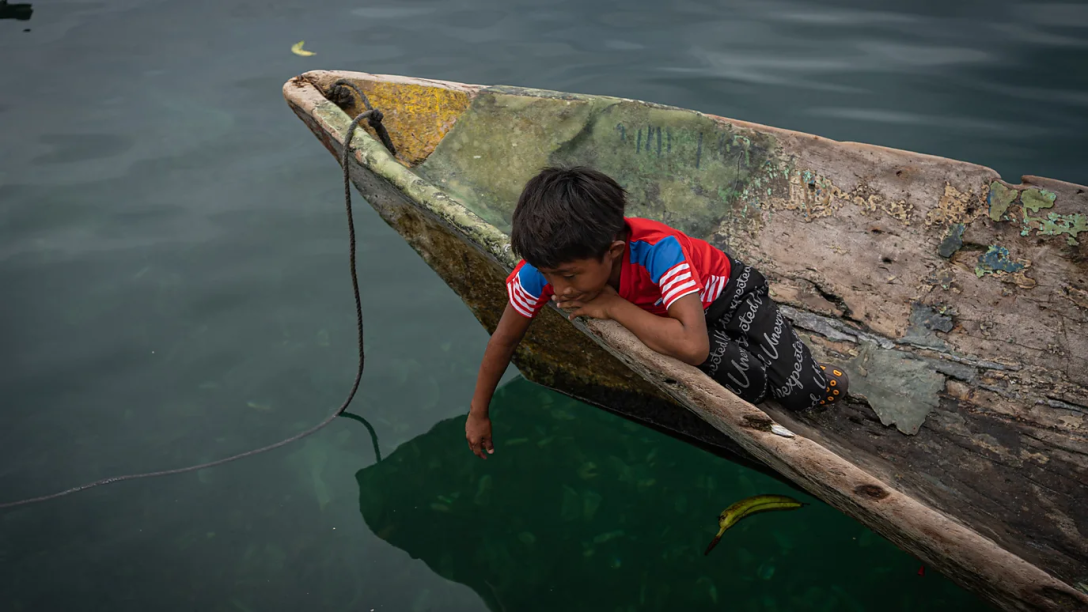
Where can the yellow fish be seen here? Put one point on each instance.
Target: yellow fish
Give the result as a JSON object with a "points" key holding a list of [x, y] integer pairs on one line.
{"points": [[298, 50], [751, 505]]}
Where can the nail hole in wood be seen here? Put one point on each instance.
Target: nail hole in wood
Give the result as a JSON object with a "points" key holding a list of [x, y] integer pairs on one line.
{"points": [[760, 423], [872, 491]]}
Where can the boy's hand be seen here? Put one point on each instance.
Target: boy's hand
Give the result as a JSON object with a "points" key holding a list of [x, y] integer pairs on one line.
{"points": [[478, 434], [597, 308]]}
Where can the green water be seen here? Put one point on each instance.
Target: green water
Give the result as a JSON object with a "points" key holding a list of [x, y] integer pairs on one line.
{"points": [[618, 518], [173, 289]]}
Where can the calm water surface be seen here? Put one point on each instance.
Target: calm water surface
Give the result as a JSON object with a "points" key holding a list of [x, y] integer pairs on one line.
{"points": [[174, 290]]}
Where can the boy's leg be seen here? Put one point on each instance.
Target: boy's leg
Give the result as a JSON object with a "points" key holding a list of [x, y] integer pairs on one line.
{"points": [[732, 366], [794, 378]]}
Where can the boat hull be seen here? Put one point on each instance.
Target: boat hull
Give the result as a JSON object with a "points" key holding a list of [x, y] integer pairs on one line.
{"points": [[919, 490]]}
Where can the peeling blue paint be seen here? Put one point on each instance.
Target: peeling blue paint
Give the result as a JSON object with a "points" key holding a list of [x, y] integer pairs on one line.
{"points": [[952, 242], [996, 259], [924, 321]]}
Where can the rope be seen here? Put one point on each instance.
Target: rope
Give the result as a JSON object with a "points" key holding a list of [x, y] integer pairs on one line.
{"points": [[374, 118]]}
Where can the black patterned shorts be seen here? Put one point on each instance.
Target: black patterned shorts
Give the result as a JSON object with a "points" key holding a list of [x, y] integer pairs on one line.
{"points": [[754, 351]]}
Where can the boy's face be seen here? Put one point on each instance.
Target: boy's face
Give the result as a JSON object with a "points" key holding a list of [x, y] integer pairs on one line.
{"points": [[583, 279]]}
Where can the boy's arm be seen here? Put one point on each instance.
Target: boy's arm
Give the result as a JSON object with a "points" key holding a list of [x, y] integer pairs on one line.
{"points": [[500, 348], [682, 334]]}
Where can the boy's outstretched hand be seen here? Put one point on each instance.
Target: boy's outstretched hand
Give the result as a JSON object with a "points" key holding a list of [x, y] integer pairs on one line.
{"points": [[478, 434]]}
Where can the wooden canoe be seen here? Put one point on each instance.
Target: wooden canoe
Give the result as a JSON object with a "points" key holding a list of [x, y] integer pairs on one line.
{"points": [[958, 303]]}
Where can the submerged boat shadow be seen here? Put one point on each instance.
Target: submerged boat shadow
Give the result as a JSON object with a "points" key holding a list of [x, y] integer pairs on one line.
{"points": [[579, 509]]}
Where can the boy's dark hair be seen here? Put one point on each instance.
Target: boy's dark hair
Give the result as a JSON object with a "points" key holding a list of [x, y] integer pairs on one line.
{"points": [[565, 214]]}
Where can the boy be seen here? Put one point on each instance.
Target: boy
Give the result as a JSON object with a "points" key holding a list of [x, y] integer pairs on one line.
{"points": [[681, 296]]}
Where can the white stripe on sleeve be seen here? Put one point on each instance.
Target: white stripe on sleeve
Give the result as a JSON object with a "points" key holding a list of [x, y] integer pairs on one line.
{"points": [[528, 303], [714, 289], [708, 289], [526, 300], [671, 271], [679, 279], [718, 290], [515, 301], [677, 292]]}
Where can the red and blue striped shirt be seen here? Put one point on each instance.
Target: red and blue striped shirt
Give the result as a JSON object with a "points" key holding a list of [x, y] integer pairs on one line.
{"points": [[661, 265]]}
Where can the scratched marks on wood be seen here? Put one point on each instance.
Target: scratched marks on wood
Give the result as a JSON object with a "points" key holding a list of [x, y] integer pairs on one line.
{"points": [[652, 134], [659, 141], [680, 167]]}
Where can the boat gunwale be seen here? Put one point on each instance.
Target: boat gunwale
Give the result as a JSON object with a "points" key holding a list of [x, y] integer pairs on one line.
{"points": [[970, 558]]}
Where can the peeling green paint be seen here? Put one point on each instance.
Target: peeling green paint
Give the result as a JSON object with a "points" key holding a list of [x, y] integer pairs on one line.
{"points": [[1000, 198], [901, 388], [704, 170], [952, 242], [996, 259], [1036, 199], [1056, 224]]}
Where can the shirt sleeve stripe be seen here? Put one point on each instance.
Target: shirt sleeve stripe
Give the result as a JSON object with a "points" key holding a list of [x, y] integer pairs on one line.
{"points": [[675, 280], [673, 270], [676, 291], [520, 305], [722, 280], [517, 296], [513, 299], [520, 309], [705, 293], [535, 280], [533, 303], [680, 292], [712, 289]]}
